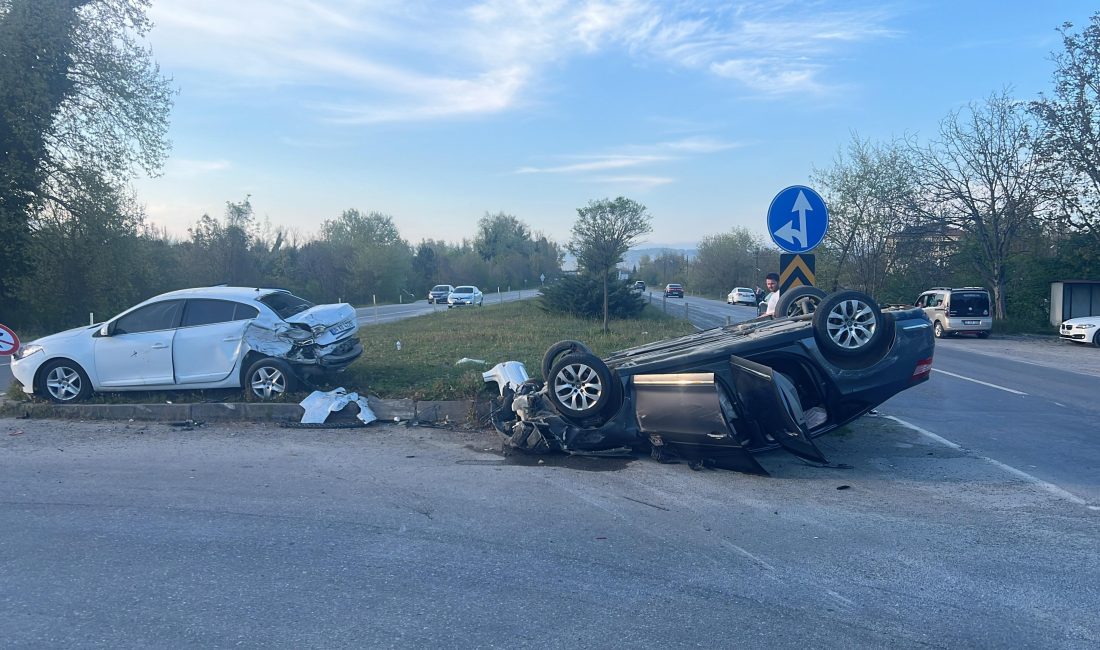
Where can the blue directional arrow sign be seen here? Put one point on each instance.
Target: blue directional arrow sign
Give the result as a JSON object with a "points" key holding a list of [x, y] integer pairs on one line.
{"points": [[798, 219]]}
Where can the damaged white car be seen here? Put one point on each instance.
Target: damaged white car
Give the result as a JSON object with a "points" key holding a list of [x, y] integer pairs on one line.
{"points": [[265, 340]]}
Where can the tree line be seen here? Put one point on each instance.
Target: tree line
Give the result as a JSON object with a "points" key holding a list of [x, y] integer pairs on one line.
{"points": [[1005, 194]]}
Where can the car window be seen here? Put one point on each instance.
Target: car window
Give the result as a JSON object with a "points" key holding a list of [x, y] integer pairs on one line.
{"points": [[203, 311], [441, 287], [285, 304], [150, 318], [464, 290], [970, 301]]}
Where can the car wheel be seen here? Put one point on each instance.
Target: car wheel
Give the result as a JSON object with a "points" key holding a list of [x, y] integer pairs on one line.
{"points": [[268, 379], [64, 382], [937, 329], [580, 385], [983, 335], [558, 349], [848, 324], [798, 301], [1096, 340]]}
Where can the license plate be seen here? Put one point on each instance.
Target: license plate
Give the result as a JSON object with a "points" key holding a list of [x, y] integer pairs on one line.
{"points": [[340, 328], [971, 322]]}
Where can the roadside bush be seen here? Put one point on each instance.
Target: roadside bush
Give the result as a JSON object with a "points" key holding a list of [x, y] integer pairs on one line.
{"points": [[581, 295]]}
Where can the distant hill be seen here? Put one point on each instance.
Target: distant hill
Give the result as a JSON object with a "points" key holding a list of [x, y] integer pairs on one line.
{"points": [[634, 255]]}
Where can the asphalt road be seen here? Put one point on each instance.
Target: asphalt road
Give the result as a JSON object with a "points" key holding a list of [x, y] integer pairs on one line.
{"points": [[134, 535], [1038, 420]]}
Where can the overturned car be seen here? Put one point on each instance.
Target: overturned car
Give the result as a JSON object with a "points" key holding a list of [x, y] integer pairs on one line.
{"points": [[264, 340], [714, 397]]}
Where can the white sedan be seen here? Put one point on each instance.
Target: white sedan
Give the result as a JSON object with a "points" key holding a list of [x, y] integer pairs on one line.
{"points": [[741, 295], [466, 295], [213, 337], [1085, 329]]}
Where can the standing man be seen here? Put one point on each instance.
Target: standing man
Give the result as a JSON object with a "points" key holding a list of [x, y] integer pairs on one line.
{"points": [[772, 282]]}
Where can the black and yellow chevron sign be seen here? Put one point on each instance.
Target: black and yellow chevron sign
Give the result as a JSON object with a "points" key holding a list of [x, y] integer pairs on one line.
{"points": [[795, 270]]}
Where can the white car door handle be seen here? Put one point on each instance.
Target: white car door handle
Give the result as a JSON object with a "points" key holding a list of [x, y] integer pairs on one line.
{"points": [[160, 346]]}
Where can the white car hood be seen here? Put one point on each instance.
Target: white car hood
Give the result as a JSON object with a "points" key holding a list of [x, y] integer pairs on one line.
{"points": [[63, 336], [1083, 320], [326, 317]]}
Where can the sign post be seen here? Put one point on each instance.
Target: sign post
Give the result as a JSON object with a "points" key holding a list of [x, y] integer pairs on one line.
{"points": [[797, 221]]}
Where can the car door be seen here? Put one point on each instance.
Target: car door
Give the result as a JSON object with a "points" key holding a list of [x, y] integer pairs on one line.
{"points": [[137, 349], [771, 402], [209, 340]]}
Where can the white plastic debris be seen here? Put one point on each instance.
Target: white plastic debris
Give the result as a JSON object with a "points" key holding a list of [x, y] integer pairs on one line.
{"points": [[464, 360], [319, 404]]}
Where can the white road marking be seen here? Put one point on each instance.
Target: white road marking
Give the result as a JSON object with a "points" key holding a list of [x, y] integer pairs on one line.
{"points": [[983, 383], [1038, 482], [924, 432], [748, 555]]}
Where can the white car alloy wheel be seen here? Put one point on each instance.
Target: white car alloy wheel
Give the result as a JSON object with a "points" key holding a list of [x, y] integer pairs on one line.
{"points": [[268, 382], [64, 383]]}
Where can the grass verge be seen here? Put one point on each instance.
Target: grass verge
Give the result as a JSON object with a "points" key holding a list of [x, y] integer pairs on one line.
{"points": [[426, 366]]}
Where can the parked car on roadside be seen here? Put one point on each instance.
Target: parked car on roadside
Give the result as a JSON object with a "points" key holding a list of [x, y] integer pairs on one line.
{"points": [[957, 311], [264, 340], [741, 296], [439, 294], [1084, 329], [717, 396], [674, 290], [466, 295]]}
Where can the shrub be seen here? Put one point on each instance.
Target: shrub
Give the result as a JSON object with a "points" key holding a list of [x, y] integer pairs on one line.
{"points": [[581, 295]]}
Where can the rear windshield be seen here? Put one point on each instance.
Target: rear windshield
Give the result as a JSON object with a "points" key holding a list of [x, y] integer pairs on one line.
{"points": [[969, 301], [285, 304]]}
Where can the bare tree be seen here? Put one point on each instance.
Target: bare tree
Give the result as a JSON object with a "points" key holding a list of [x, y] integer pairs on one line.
{"points": [[983, 179], [871, 192], [1072, 121], [605, 230]]}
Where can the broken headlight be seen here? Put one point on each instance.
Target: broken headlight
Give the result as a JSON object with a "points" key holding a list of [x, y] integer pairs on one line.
{"points": [[26, 351]]}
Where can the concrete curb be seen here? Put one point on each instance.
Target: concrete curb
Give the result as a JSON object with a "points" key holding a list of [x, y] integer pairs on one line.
{"points": [[455, 412]]}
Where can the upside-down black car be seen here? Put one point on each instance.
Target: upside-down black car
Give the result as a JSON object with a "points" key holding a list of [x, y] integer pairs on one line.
{"points": [[714, 397]]}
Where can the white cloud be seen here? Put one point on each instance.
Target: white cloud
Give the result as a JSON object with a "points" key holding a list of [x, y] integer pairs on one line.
{"points": [[596, 164], [387, 60], [185, 168], [634, 182]]}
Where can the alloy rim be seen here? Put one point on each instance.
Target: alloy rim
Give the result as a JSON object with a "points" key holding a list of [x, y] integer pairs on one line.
{"points": [[63, 383], [268, 383], [851, 324], [578, 386]]}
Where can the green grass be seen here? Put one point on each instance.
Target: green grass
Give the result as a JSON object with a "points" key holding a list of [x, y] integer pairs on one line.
{"points": [[425, 367]]}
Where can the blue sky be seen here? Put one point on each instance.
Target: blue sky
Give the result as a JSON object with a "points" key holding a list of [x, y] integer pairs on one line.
{"points": [[436, 113]]}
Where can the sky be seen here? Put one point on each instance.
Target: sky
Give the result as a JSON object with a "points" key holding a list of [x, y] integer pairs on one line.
{"points": [[436, 113]]}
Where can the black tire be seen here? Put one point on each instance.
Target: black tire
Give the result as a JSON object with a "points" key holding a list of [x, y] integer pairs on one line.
{"points": [[269, 379], [558, 349], [64, 382], [983, 335], [798, 301], [849, 325], [579, 385], [1096, 340], [937, 329]]}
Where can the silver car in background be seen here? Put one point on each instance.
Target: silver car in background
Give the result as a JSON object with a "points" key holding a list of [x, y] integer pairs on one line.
{"points": [[466, 295]]}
